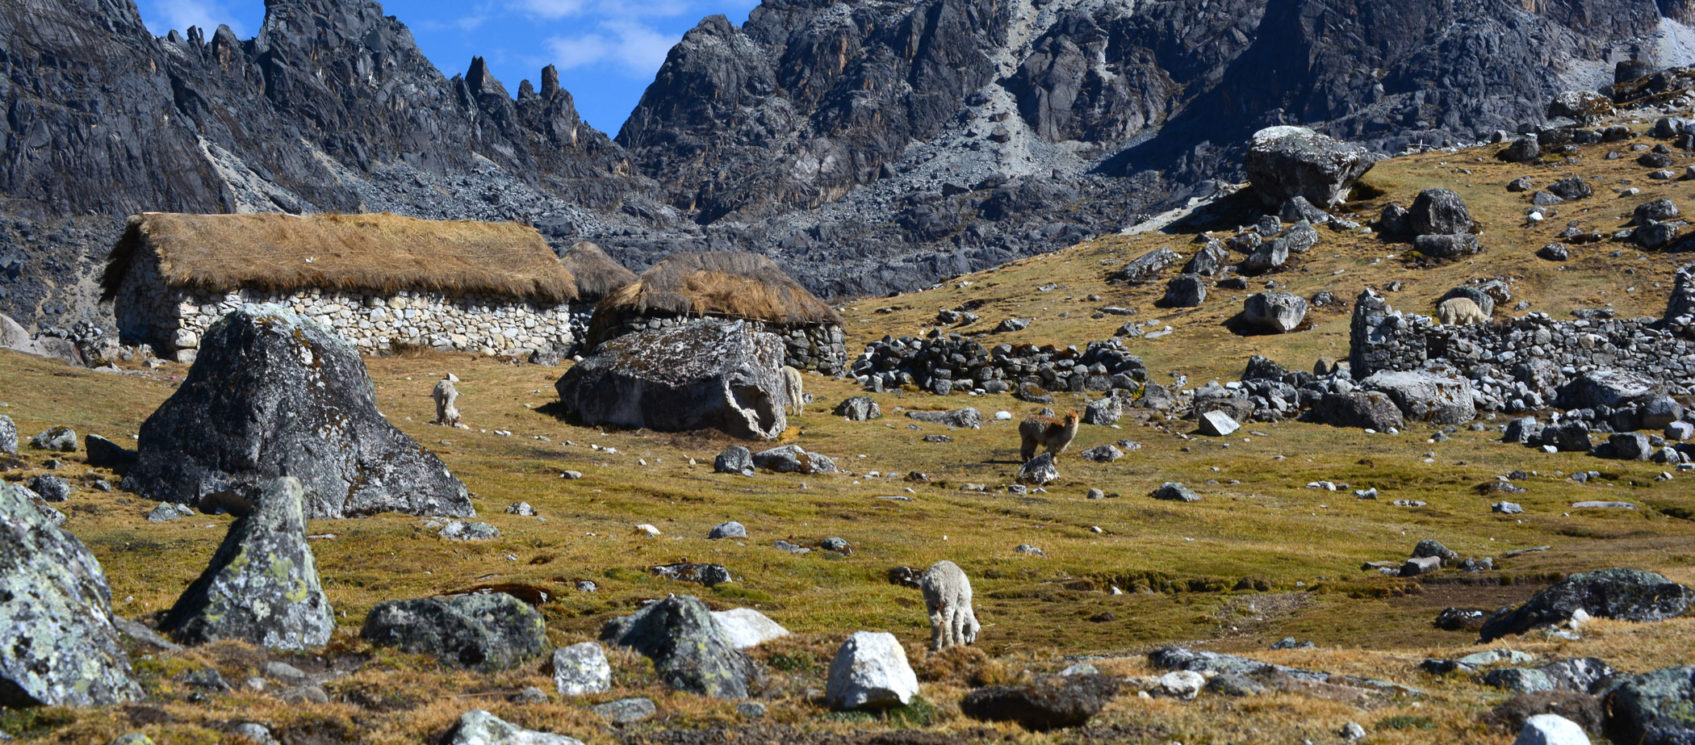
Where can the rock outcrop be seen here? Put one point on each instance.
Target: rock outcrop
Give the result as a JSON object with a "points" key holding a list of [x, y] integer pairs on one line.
{"points": [[688, 648], [706, 374], [275, 394], [262, 585], [1625, 594], [60, 647]]}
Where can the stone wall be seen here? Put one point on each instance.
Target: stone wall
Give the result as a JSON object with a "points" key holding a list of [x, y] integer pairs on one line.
{"points": [[1517, 365], [946, 363], [173, 319], [820, 347]]}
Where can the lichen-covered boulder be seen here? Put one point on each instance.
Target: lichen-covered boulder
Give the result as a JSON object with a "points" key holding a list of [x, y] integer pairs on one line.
{"points": [[480, 631], [1426, 396], [1625, 594], [1287, 162], [689, 649], [1655, 708], [706, 374], [478, 727], [262, 585], [274, 394], [8, 436], [57, 643]]}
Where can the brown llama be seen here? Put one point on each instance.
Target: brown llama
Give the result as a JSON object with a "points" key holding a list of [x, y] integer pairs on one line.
{"points": [[1046, 431]]}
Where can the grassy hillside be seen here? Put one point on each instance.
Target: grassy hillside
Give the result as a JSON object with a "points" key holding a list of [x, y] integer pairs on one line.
{"points": [[1296, 553]]}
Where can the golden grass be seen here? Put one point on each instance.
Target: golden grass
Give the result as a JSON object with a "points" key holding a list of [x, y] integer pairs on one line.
{"points": [[1177, 564], [597, 274], [733, 284], [378, 253]]}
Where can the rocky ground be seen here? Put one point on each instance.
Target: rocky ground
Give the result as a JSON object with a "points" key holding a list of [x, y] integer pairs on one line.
{"points": [[1305, 551]]}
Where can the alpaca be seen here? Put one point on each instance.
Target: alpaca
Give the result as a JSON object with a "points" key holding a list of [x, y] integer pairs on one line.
{"points": [[1054, 434], [1459, 311], [796, 390], [947, 596], [446, 397]]}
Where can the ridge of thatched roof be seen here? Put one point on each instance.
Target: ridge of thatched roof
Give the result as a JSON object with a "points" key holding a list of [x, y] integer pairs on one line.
{"points": [[376, 253], [733, 284], [598, 275]]}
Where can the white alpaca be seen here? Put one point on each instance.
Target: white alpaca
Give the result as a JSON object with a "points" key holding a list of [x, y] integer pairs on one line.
{"points": [[1459, 311], [947, 595], [793, 385], [446, 396]]}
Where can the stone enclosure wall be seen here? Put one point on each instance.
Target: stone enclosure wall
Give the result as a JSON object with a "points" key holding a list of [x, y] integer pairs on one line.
{"points": [[173, 319], [945, 363], [819, 347], [1516, 365]]}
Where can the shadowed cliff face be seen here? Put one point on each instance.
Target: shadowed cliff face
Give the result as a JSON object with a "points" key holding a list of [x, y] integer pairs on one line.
{"points": [[872, 146]]}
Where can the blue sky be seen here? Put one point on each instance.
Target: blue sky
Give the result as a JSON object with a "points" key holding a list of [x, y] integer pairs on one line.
{"points": [[607, 50]]}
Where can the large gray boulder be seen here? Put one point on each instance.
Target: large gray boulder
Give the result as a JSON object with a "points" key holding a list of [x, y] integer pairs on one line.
{"points": [[1625, 594], [706, 374], [1653, 708], [1273, 312], [262, 585], [57, 643], [1426, 396], [480, 631], [1608, 387], [1439, 212], [690, 651], [478, 727], [1360, 409], [870, 671], [1286, 162], [274, 394]]}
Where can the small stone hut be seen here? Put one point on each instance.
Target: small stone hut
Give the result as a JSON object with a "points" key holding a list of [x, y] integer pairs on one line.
{"points": [[727, 284], [379, 280], [597, 276]]}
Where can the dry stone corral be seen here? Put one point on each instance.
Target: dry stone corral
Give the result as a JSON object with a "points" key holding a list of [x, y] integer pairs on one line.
{"points": [[1524, 364], [943, 364], [174, 320]]}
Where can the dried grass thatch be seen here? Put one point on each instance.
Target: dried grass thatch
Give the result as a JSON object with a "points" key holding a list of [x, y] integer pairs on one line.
{"points": [[598, 275], [375, 253], [732, 284]]}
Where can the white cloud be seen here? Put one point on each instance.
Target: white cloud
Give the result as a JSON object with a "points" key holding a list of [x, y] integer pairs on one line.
{"points": [[180, 14], [630, 47], [605, 10], [551, 9]]}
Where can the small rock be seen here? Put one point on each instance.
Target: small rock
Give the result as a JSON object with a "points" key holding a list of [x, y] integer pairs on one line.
{"points": [[731, 529], [581, 669]]}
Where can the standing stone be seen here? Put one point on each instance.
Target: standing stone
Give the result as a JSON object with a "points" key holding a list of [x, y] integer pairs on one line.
{"points": [[704, 374], [481, 631], [8, 436], [870, 671], [689, 649], [581, 669], [57, 643], [1285, 162], [275, 394], [479, 727], [262, 585]]}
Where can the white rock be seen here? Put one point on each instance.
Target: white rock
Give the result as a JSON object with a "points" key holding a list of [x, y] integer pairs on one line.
{"points": [[581, 669], [1003, 416], [746, 627], [1183, 684], [1551, 729], [648, 529], [479, 727], [1218, 424], [870, 670]]}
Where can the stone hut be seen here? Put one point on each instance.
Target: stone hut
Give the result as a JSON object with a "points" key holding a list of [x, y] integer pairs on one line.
{"points": [[381, 281], [597, 275], [727, 284]]}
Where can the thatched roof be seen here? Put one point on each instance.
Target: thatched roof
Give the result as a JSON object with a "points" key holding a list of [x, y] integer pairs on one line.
{"points": [[598, 275], [732, 284], [375, 253]]}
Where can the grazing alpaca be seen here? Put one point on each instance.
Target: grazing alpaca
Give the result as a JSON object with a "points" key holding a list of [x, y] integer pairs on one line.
{"points": [[947, 595], [447, 398], [1459, 311], [797, 392], [1046, 431]]}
